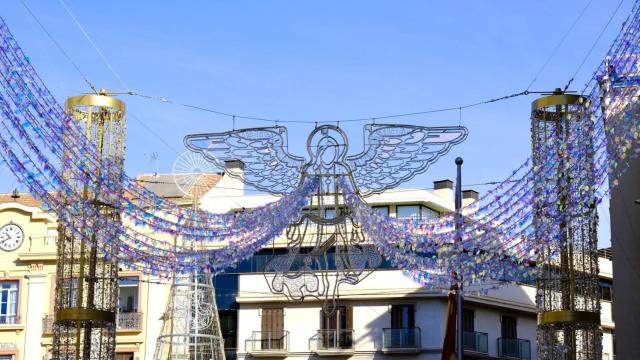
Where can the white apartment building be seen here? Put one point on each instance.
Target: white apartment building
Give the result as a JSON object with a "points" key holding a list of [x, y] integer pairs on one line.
{"points": [[386, 315]]}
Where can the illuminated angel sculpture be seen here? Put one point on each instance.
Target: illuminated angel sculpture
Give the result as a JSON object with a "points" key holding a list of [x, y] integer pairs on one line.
{"points": [[325, 248]]}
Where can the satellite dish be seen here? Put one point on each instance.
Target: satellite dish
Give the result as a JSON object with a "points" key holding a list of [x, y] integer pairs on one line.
{"points": [[192, 174]]}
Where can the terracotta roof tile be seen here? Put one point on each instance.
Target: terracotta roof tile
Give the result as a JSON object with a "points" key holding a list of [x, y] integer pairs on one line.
{"points": [[25, 199], [170, 187]]}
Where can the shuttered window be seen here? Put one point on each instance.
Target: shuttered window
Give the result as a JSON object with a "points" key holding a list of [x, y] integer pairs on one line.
{"points": [[272, 335]]}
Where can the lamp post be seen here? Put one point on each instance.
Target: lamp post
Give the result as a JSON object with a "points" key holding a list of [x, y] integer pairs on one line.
{"points": [[459, 297]]}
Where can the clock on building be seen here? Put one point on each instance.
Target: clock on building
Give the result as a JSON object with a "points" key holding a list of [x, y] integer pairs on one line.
{"points": [[11, 237]]}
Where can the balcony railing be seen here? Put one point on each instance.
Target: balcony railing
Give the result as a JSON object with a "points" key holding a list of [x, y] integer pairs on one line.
{"points": [[129, 321], [475, 341], [268, 341], [514, 348], [405, 338], [9, 319], [331, 340], [124, 322]]}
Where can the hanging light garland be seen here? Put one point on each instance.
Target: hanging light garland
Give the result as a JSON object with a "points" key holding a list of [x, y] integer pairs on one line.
{"points": [[497, 238]]}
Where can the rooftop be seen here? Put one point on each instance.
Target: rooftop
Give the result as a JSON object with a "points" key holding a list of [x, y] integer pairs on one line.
{"points": [[24, 198], [179, 187]]}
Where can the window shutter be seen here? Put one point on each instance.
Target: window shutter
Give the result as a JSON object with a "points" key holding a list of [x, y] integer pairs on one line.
{"points": [[279, 320], [266, 320], [349, 322], [273, 320]]}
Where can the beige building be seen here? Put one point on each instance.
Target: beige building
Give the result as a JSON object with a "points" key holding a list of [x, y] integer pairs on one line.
{"points": [[27, 279]]}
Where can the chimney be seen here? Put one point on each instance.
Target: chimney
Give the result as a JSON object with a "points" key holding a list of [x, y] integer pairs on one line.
{"points": [[232, 179], [235, 166], [443, 189], [469, 197]]}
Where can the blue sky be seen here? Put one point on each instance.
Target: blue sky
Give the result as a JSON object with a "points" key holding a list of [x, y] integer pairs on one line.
{"points": [[318, 61]]}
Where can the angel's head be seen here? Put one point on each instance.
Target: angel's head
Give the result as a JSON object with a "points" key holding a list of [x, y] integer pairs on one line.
{"points": [[327, 145]]}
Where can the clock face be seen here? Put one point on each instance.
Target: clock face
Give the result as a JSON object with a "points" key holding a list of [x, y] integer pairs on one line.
{"points": [[11, 237]]}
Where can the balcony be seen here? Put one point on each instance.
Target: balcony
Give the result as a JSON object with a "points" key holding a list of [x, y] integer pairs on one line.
{"points": [[405, 340], [9, 320], [514, 348], [332, 343], [130, 321], [268, 344], [125, 322], [476, 342]]}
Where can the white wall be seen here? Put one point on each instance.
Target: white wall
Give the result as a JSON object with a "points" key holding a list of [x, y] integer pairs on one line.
{"points": [[370, 316], [158, 295]]}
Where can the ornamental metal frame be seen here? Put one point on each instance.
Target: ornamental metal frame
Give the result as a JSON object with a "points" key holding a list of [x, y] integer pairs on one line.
{"points": [[325, 248], [190, 328], [86, 291]]}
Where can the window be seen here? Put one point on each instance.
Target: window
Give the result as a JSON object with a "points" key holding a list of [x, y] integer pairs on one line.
{"points": [[408, 211], [273, 336], [416, 212], [9, 302], [226, 290], [337, 327], [229, 327], [428, 213], [403, 332], [330, 212], [382, 210], [128, 294], [606, 290], [468, 320], [70, 291], [6, 357], [509, 327], [402, 316]]}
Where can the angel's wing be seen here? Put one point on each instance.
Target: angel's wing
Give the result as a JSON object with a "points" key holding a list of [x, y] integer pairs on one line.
{"points": [[395, 153], [267, 165]]}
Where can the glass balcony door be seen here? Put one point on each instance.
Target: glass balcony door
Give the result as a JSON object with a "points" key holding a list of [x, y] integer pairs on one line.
{"points": [[403, 325], [337, 328]]}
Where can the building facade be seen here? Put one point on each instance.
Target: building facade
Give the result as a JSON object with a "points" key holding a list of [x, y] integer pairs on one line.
{"points": [[386, 315], [382, 317]]}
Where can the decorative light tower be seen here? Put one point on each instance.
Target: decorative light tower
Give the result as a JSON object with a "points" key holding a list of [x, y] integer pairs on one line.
{"points": [[86, 292], [191, 326], [565, 213]]}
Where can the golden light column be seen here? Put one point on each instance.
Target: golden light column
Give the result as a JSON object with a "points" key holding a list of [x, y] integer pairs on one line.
{"points": [[86, 293], [565, 222]]}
